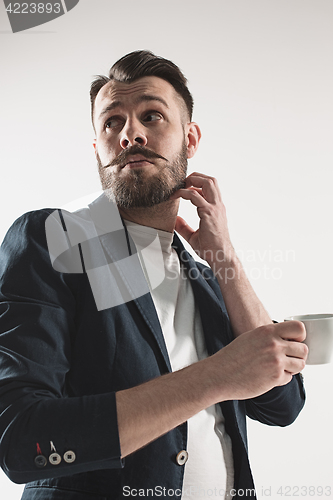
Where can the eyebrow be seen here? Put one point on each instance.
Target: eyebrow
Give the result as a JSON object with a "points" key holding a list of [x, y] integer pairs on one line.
{"points": [[141, 98]]}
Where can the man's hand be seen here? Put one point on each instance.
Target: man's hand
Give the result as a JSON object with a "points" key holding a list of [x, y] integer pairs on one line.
{"points": [[261, 359], [249, 366], [211, 241]]}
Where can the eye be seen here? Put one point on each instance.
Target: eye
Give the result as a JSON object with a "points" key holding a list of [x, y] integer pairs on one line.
{"points": [[113, 122], [152, 116]]}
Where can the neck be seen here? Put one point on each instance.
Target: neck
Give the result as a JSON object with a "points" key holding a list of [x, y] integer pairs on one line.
{"points": [[162, 216]]}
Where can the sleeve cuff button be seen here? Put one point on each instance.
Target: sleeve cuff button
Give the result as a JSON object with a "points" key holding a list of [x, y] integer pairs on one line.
{"points": [[69, 457], [54, 458], [40, 461]]}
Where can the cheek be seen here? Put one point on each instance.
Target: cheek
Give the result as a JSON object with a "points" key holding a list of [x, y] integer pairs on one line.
{"points": [[105, 148], [171, 143]]}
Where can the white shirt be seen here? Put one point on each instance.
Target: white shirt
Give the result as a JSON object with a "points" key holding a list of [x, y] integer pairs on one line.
{"points": [[209, 470]]}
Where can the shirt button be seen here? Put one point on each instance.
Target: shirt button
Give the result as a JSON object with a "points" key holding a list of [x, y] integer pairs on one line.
{"points": [[69, 457], [54, 458], [40, 461], [182, 457]]}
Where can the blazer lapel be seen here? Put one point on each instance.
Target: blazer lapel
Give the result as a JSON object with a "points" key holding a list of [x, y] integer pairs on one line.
{"points": [[147, 309], [213, 314], [138, 290]]}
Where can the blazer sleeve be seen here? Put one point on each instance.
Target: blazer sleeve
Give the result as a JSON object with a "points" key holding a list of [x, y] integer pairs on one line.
{"points": [[37, 322], [279, 406]]}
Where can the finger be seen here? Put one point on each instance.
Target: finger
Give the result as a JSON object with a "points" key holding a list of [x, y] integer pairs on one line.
{"points": [[194, 195], [183, 228], [208, 185], [291, 330], [200, 174], [296, 350], [198, 190], [176, 194], [294, 365]]}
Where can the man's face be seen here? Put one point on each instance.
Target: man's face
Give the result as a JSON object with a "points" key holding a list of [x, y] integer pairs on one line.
{"points": [[141, 144]]}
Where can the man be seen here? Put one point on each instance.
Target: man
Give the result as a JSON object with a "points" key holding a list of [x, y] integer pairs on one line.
{"points": [[148, 397]]}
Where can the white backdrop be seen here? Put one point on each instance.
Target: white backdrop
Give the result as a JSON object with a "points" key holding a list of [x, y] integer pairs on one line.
{"points": [[262, 78]]}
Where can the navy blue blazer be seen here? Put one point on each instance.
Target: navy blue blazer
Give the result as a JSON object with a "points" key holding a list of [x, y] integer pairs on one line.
{"points": [[62, 360]]}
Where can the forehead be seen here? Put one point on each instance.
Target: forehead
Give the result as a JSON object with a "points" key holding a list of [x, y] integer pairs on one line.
{"points": [[128, 94]]}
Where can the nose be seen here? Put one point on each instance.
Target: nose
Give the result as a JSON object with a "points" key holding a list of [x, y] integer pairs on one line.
{"points": [[133, 133]]}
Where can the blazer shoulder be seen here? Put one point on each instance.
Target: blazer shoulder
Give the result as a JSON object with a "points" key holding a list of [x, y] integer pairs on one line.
{"points": [[30, 221]]}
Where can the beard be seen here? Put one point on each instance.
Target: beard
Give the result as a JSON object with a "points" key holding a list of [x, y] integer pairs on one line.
{"points": [[136, 189]]}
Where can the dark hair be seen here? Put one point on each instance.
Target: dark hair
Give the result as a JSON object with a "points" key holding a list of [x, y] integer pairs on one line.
{"points": [[144, 63]]}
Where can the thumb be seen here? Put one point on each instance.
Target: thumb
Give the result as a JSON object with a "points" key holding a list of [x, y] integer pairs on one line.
{"points": [[183, 229]]}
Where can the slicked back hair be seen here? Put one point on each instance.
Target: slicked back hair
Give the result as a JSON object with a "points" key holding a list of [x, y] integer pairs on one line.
{"points": [[142, 63]]}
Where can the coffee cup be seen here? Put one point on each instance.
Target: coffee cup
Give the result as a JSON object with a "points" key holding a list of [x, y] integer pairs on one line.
{"points": [[319, 336]]}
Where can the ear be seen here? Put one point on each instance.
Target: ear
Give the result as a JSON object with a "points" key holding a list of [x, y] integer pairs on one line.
{"points": [[94, 145], [192, 137]]}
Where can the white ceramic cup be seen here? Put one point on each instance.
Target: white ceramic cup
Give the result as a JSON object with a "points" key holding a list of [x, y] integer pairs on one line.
{"points": [[319, 336]]}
